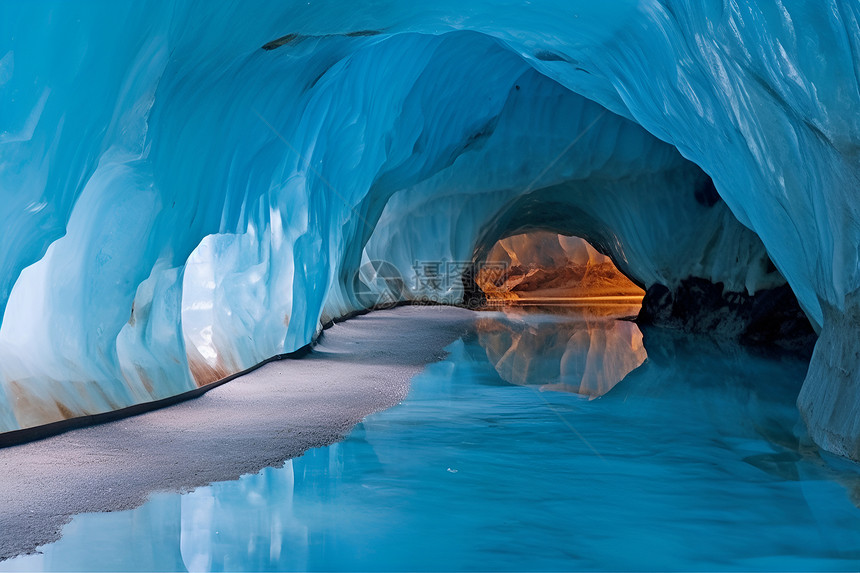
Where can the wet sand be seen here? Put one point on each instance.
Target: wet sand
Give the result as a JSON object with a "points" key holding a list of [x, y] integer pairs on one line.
{"points": [[277, 412]]}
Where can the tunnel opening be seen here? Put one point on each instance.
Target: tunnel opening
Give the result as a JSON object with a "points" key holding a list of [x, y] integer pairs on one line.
{"points": [[547, 268]]}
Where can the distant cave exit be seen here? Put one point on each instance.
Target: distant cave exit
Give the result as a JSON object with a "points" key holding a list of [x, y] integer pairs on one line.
{"points": [[542, 267]]}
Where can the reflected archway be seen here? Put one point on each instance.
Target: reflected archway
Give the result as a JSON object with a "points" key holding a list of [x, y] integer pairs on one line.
{"points": [[574, 354]]}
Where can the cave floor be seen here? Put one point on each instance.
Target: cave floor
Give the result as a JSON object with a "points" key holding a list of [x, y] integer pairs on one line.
{"points": [[261, 419], [535, 439]]}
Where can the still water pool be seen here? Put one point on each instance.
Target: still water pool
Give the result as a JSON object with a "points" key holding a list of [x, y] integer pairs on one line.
{"points": [[543, 442]]}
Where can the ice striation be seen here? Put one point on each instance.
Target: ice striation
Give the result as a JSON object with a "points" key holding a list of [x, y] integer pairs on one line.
{"points": [[188, 189]]}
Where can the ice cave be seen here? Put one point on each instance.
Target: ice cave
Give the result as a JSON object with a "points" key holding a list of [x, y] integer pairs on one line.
{"points": [[190, 189]]}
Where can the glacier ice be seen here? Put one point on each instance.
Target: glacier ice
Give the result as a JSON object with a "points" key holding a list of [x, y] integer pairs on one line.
{"points": [[179, 203]]}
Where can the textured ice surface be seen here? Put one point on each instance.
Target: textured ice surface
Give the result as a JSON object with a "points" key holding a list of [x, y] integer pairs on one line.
{"points": [[177, 203]]}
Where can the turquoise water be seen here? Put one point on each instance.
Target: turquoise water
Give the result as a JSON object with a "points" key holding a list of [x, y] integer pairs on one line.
{"points": [[541, 443]]}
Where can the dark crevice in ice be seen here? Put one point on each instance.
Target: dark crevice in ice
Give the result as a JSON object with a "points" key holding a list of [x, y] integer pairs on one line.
{"points": [[770, 317]]}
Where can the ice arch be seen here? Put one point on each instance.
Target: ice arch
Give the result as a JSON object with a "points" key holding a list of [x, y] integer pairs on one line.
{"points": [[156, 164]]}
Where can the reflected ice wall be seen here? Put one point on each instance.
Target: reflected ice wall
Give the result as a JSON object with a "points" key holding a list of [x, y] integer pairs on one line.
{"points": [[178, 203]]}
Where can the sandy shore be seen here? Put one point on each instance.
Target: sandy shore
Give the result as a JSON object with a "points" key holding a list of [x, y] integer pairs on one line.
{"points": [[259, 420]]}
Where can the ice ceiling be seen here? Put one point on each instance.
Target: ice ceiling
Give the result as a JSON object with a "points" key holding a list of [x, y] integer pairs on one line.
{"points": [[189, 188]]}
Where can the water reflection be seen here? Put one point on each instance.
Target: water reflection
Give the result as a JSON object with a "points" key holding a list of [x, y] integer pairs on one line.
{"points": [[583, 355], [696, 460], [241, 528]]}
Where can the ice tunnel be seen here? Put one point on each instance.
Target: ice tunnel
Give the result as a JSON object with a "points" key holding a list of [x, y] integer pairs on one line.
{"points": [[191, 188]]}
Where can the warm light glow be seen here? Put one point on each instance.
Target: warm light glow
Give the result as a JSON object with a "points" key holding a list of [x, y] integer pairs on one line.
{"points": [[585, 357], [546, 268]]}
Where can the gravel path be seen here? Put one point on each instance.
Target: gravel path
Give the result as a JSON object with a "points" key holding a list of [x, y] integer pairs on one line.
{"points": [[261, 419]]}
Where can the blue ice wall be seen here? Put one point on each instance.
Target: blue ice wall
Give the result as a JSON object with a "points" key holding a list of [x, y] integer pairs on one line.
{"points": [[178, 203]]}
